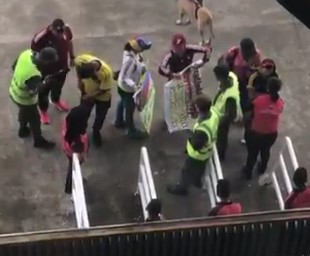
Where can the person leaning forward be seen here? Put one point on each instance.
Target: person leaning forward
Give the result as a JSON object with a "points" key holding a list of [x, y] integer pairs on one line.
{"points": [[25, 84], [95, 81], [198, 147]]}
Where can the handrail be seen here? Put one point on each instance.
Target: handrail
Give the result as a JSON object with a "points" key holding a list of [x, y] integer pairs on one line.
{"points": [[213, 174], [145, 188], [78, 194], [134, 228], [284, 172]]}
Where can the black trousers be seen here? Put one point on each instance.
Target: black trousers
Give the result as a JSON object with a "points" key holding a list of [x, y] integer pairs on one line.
{"points": [[28, 115], [192, 173], [222, 138], [68, 185], [125, 106], [244, 96], [101, 108], [258, 144], [54, 88]]}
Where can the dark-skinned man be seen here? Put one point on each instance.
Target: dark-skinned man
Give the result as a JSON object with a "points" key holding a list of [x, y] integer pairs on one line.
{"points": [[198, 147], [25, 84], [95, 81], [227, 104]]}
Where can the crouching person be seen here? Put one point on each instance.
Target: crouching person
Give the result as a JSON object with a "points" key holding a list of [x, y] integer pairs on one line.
{"points": [[74, 139], [198, 147]]}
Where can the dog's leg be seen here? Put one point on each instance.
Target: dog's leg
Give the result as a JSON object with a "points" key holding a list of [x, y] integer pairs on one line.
{"points": [[211, 31], [200, 26]]}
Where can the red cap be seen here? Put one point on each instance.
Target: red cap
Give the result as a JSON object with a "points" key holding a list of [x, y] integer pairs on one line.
{"points": [[268, 63], [178, 40]]}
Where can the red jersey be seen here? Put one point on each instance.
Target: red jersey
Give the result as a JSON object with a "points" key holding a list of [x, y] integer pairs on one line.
{"points": [[266, 114], [226, 208], [173, 63], [298, 199], [62, 43], [239, 66]]}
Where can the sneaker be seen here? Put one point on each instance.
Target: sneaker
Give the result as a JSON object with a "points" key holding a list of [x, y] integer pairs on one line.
{"points": [[24, 132], [176, 189], [45, 119], [119, 125], [136, 134], [242, 141], [264, 179], [97, 139], [43, 143], [61, 105]]}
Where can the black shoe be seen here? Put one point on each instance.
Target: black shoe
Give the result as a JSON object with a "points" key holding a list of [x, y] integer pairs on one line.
{"points": [[176, 189], [119, 125], [43, 143], [136, 134], [246, 173], [24, 132], [97, 140]]}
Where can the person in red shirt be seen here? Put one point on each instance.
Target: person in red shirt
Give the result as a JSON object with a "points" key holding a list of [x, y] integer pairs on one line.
{"points": [[59, 36], [300, 197], [263, 125], [226, 206], [180, 56]]}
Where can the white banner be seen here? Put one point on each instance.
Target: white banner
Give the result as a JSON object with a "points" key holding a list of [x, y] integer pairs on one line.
{"points": [[175, 106]]}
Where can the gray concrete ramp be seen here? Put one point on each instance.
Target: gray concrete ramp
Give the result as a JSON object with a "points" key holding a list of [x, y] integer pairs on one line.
{"points": [[32, 182]]}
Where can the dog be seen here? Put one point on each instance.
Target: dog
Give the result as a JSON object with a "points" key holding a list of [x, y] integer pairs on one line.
{"points": [[194, 10]]}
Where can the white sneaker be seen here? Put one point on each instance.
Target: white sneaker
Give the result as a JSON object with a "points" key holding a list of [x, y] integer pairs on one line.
{"points": [[264, 179], [242, 141]]}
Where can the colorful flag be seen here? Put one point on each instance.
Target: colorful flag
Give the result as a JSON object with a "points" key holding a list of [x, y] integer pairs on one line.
{"points": [[145, 100]]}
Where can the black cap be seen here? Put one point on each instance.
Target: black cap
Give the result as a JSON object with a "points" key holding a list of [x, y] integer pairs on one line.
{"points": [[48, 54], [58, 25]]}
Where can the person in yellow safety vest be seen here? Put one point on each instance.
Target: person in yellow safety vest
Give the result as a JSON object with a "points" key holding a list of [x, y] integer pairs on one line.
{"points": [[198, 147], [25, 84], [227, 103], [95, 81]]}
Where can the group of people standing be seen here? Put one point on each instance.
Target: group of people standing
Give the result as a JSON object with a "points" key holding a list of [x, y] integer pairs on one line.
{"points": [[248, 87]]}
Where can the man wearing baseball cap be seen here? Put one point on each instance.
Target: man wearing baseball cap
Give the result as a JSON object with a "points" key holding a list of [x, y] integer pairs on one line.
{"points": [[180, 56], [59, 36]]}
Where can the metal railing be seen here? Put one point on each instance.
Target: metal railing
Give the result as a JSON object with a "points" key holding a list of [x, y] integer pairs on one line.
{"points": [[78, 194], [281, 171], [212, 175], [283, 233], [145, 188]]}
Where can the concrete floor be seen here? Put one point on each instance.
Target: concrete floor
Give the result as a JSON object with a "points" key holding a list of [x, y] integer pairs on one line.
{"points": [[32, 182]]}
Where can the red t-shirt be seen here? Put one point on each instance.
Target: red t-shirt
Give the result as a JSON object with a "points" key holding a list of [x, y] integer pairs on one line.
{"points": [[61, 43], [298, 199], [226, 208], [266, 114]]}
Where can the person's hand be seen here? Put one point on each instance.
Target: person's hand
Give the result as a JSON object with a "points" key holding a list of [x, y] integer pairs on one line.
{"points": [[176, 76]]}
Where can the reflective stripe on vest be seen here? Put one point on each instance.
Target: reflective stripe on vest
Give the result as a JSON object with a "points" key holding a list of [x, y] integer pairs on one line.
{"points": [[209, 127], [24, 70], [232, 92]]}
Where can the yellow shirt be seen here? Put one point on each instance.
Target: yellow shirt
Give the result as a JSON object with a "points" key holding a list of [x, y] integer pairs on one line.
{"points": [[104, 76]]}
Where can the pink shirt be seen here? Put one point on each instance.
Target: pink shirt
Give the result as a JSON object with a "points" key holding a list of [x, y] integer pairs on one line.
{"points": [[266, 114], [240, 67]]}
